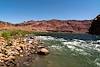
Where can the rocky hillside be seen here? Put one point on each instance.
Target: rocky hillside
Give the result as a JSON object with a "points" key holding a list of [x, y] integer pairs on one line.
{"points": [[95, 26], [71, 26], [5, 25]]}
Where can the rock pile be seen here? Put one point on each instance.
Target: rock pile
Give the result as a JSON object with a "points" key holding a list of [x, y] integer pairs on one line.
{"points": [[11, 50]]}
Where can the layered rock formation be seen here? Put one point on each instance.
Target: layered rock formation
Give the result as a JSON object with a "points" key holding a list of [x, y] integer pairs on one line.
{"points": [[70, 26]]}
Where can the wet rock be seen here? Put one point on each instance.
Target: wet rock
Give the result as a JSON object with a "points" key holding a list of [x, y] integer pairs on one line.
{"points": [[43, 51]]}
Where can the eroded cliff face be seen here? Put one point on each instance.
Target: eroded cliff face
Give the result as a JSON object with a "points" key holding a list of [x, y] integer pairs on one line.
{"points": [[5, 25], [70, 26]]}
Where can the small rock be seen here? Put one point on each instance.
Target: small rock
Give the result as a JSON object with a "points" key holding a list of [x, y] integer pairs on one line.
{"points": [[21, 51], [18, 48], [11, 57], [1, 54], [21, 55]]}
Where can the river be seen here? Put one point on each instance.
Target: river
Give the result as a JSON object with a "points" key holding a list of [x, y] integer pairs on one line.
{"points": [[70, 50]]}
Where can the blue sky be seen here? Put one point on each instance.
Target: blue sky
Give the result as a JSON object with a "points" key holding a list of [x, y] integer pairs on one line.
{"points": [[16, 11]]}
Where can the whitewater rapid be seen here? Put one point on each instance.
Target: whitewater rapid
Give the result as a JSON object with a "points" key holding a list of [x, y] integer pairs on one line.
{"points": [[83, 47]]}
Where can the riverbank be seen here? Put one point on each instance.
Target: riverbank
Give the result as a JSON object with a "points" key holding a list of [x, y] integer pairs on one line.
{"points": [[13, 50], [23, 49]]}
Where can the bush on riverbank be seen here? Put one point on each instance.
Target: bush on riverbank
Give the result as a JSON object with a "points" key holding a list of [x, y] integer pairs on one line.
{"points": [[14, 33]]}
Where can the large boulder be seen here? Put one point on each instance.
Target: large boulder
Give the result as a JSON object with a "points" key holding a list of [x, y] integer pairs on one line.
{"points": [[42, 50], [95, 26]]}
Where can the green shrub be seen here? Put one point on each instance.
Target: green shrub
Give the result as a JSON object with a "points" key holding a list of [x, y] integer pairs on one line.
{"points": [[6, 34], [19, 33], [13, 34]]}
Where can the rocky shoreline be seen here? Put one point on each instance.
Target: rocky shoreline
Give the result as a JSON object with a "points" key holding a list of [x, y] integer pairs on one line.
{"points": [[15, 51]]}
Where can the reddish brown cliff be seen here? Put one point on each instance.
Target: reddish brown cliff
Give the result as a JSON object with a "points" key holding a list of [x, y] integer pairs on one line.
{"points": [[73, 26]]}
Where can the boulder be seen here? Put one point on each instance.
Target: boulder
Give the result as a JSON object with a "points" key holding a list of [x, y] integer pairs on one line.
{"points": [[43, 51]]}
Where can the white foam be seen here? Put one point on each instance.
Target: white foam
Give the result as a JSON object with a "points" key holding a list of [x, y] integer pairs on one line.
{"points": [[96, 61], [98, 40], [44, 38], [98, 64], [71, 47], [75, 45], [83, 44], [56, 47]]}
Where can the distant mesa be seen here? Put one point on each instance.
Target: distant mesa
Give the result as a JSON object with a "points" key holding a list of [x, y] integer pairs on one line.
{"points": [[54, 25], [70, 26]]}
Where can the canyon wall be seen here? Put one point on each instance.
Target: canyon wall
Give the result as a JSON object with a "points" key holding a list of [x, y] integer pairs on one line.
{"points": [[70, 26]]}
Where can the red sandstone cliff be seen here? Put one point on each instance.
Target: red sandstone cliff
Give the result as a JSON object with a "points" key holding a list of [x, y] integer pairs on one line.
{"points": [[73, 26]]}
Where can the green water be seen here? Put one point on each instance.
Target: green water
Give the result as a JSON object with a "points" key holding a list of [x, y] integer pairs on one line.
{"points": [[70, 53]]}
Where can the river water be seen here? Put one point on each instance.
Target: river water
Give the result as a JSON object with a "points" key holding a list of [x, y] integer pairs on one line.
{"points": [[70, 50]]}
